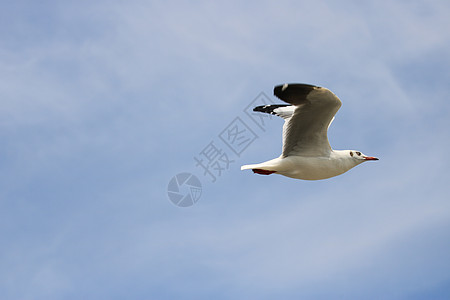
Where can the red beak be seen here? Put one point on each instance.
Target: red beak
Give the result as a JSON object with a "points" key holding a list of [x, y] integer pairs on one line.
{"points": [[370, 158]]}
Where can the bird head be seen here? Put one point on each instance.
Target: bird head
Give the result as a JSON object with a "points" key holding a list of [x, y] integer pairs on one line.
{"points": [[360, 157]]}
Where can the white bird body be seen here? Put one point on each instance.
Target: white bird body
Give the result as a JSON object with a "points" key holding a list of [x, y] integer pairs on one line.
{"points": [[307, 153], [309, 168]]}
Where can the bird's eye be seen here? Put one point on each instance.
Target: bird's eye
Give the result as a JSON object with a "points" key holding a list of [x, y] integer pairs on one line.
{"points": [[358, 153], [351, 153]]}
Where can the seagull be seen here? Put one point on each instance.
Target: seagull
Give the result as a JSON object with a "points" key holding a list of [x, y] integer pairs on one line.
{"points": [[306, 153]]}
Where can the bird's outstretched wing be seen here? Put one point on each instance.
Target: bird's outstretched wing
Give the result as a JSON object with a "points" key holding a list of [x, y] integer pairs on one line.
{"points": [[305, 131]]}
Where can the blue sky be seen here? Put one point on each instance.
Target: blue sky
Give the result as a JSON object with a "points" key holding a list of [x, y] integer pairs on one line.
{"points": [[103, 102]]}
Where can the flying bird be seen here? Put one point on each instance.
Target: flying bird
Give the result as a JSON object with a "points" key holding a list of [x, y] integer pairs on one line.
{"points": [[306, 153]]}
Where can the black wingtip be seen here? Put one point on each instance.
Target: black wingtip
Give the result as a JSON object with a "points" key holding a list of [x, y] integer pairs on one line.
{"points": [[260, 108], [292, 92], [268, 109]]}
